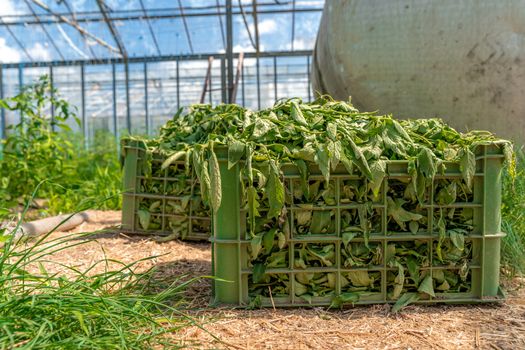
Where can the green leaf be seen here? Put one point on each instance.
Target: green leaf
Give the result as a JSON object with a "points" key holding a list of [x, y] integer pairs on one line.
{"points": [[304, 277], [258, 273], [426, 286], [235, 152], [321, 221], [405, 300], [447, 195], [347, 237], [268, 239], [413, 268], [253, 206], [399, 214], [338, 301], [173, 158], [215, 183], [443, 286], [300, 289], [277, 259], [205, 182], [458, 239], [359, 278], [413, 227], [144, 218], [467, 165], [256, 245], [322, 159], [331, 131], [281, 240], [399, 281], [378, 172], [297, 114], [275, 191]]}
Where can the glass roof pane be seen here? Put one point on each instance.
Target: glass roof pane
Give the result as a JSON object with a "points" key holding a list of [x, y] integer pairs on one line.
{"points": [[133, 23], [136, 37]]}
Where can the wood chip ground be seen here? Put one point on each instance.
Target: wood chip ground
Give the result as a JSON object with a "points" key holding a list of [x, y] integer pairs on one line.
{"points": [[371, 327]]}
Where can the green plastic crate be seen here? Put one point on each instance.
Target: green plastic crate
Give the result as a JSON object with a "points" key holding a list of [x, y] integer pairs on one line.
{"points": [[171, 196], [480, 266]]}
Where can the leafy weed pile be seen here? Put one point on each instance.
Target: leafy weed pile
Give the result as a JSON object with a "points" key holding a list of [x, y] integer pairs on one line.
{"points": [[324, 169]]}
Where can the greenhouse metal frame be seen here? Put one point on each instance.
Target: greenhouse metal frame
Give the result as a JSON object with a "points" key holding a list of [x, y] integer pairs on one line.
{"points": [[122, 89]]}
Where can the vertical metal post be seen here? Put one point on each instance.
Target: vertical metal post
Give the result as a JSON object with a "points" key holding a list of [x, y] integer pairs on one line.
{"points": [[224, 87], [2, 110], [20, 85], [114, 88], [83, 104], [210, 82], [243, 92], [128, 112], [275, 77], [51, 80], [309, 78], [229, 47], [146, 97], [258, 83], [178, 85]]}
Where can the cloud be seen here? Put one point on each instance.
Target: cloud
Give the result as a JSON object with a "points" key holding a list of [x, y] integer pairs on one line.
{"points": [[8, 8], [266, 26], [8, 53], [39, 52]]}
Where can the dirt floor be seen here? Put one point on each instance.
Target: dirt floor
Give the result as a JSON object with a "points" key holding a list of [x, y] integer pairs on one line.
{"points": [[371, 327]]}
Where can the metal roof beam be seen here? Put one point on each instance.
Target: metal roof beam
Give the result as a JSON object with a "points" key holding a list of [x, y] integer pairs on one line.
{"points": [[140, 16], [72, 13], [150, 28], [74, 25], [185, 26], [165, 58], [102, 6], [44, 29]]}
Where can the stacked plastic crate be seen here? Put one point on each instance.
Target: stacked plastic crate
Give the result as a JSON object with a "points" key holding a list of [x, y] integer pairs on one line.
{"points": [[337, 243]]}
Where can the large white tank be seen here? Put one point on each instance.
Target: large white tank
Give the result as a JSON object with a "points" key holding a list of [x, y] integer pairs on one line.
{"points": [[461, 60]]}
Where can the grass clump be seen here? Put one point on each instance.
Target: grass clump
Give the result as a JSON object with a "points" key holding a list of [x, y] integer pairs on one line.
{"points": [[513, 213], [114, 309]]}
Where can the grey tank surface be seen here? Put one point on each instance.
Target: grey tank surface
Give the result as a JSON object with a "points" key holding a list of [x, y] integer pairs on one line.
{"points": [[463, 61]]}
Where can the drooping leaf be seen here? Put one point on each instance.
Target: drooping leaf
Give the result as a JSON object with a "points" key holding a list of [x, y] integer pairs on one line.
{"points": [[399, 214], [258, 272], [322, 158], [359, 278], [268, 238], [275, 190], [405, 300], [235, 152], [321, 221], [338, 301], [457, 238], [253, 206], [144, 218], [378, 172], [467, 165], [256, 244], [215, 183], [426, 286], [173, 158], [297, 114], [281, 240]]}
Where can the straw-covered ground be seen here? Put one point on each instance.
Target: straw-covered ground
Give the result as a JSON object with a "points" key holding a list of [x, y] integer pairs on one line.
{"points": [[372, 327]]}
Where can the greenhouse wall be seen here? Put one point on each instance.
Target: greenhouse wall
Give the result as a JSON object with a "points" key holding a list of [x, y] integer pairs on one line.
{"points": [[157, 87]]}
